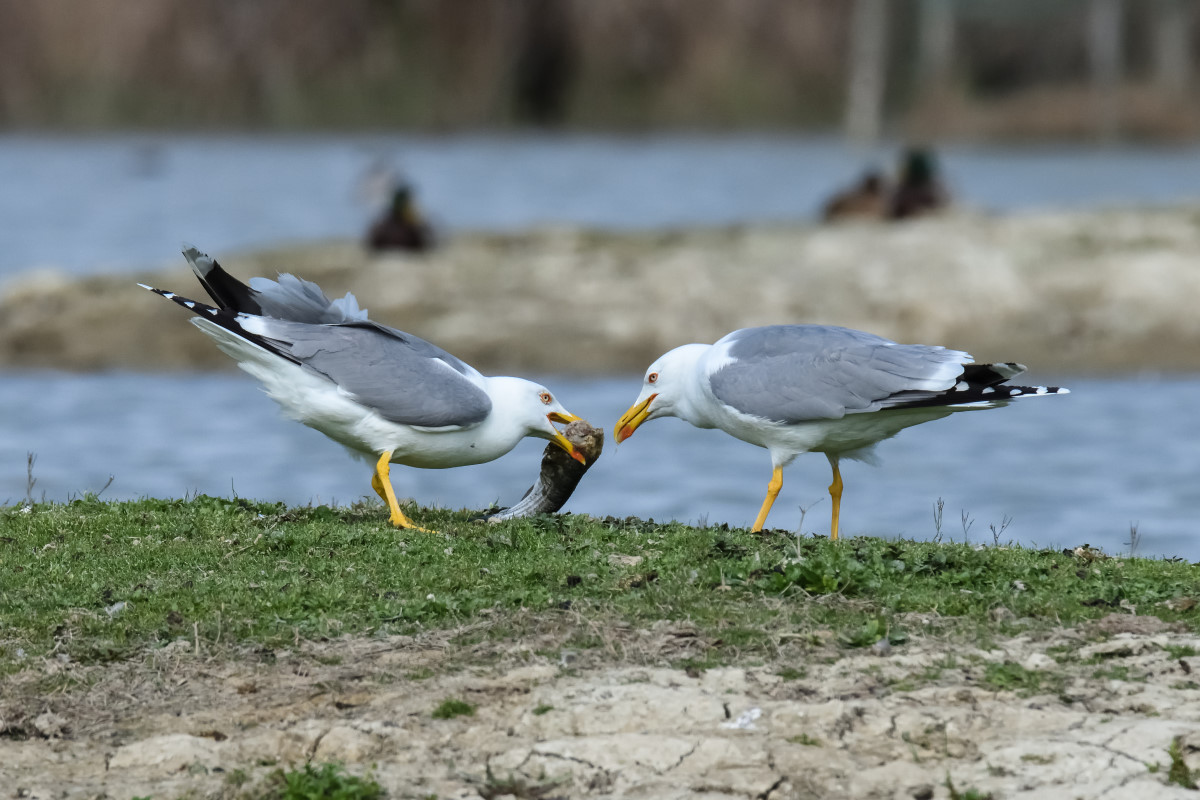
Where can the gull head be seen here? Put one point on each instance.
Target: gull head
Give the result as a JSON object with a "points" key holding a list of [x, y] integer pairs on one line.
{"points": [[664, 387], [536, 410]]}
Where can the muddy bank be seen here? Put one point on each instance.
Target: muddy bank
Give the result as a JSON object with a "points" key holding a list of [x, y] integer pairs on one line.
{"points": [[1086, 713], [1062, 292]]}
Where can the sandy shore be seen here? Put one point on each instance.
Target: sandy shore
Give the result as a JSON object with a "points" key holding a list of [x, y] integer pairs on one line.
{"points": [[1062, 292]]}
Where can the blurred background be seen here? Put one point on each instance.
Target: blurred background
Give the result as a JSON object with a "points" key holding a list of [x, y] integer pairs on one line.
{"points": [[1028, 69], [565, 189]]}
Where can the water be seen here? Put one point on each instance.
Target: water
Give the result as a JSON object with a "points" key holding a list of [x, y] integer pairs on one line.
{"points": [[1066, 470], [88, 204]]}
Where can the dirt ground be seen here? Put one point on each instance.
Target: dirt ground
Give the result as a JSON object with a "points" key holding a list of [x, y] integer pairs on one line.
{"points": [[618, 722]]}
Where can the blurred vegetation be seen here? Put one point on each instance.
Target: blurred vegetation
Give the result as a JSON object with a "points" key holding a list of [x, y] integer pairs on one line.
{"points": [[1019, 67]]}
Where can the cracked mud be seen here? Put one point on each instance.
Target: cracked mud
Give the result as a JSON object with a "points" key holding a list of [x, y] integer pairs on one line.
{"points": [[1089, 713]]}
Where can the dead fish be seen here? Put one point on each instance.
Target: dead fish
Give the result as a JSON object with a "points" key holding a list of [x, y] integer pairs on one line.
{"points": [[559, 476]]}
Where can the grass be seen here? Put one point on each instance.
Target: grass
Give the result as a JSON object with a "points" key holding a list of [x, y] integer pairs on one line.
{"points": [[327, 782], [97, 582], [1179, 773], [1012, 677], [806, 740], [450, 708], [968, 794]]}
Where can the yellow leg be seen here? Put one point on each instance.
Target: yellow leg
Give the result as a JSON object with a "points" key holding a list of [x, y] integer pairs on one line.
{"points": [[381, 482], [772, 492], [835, 491]]}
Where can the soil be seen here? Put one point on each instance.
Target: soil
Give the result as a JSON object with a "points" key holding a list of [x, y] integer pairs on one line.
{"points": [[907, 721]]}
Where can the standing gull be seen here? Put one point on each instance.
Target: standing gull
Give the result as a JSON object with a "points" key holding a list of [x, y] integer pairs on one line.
{"points": [[382, 393], [816, 388]]}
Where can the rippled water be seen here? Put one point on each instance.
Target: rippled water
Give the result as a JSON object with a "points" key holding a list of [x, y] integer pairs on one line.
{"points": [[1067, 470], [85, 204]]}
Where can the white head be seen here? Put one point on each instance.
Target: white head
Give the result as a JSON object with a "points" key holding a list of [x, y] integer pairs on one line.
{"points": [[666, 389], [518, 402]]}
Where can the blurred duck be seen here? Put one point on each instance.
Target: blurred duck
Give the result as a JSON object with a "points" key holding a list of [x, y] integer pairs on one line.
{"points": [[401, 226], [868, 199], [919, 190]]}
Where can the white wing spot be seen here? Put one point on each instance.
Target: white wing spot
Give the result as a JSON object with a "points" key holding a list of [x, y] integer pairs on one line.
{"points": [[1040, 390], [988, 390], [212, 311], [169, 295], [190, 304], [1014, 391], [961, 386]]}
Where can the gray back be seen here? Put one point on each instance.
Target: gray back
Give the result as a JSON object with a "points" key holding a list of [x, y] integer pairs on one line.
{"points": [[792, 373], [403, 377]]}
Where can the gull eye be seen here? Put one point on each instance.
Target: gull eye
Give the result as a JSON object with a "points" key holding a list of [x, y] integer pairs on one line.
{"points": [[652, 377], [546, 398]]}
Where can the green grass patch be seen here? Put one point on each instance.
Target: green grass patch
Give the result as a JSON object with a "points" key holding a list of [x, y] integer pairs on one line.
{"points": [[450, 708], [99, 582], [806, 740], [966, 794], [1118, 672], [1010, 676], [327, 782], [1178, 772]]}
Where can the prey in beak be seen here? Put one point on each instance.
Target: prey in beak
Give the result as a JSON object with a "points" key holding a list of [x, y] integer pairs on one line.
{"points": [[562, 441], [631, 419]]}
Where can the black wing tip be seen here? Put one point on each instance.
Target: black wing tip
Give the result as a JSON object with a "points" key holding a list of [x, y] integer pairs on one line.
{"points": [[163, 292], [187, 302], [997, 395], [200, 262], [974, 394], [226, 291], [991, 374], [227, 318], [1032, 391]]}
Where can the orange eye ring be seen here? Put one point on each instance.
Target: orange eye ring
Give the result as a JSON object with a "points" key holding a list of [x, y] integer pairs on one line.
{"points": [[652, 377], [546, 398]]}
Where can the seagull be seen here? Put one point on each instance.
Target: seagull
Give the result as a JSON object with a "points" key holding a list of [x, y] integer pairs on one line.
{"points": [[816, 388], [382, 393]]}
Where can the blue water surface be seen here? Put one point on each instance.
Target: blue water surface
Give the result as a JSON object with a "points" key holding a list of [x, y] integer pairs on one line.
{"points": [[1085, 467], [88, 204]]}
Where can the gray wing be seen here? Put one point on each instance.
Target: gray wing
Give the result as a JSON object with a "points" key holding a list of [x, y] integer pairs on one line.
{"points": [[792, 373], [403, 377], [298, 300], [290, 298]]}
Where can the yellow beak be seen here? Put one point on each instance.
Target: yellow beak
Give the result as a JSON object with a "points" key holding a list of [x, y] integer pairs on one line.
{"points": [[563, 441], [631, 419]]}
